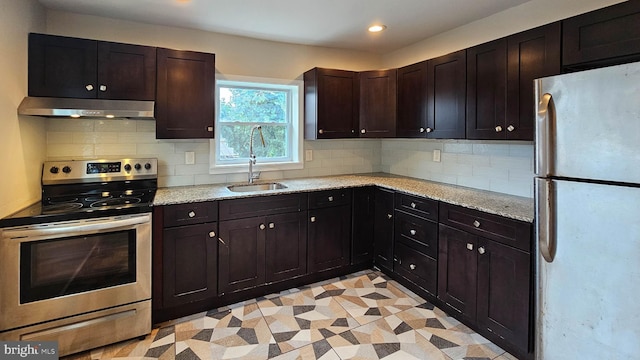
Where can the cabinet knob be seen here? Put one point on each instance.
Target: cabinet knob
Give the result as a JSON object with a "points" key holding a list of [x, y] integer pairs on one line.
{"points": [[413, 205], [470, 246], [209, 128], [481, 250], [272, 225], [89, 87], [389, 216], [429, 129], [510, 128], [320, 131], [212, 234], [330, 198], [476, 223], [262, 227], [192, 214], [363, 131], [313, 219], [103, 87], [498, 128], [412, 232], [412, 266], [422, 130]]}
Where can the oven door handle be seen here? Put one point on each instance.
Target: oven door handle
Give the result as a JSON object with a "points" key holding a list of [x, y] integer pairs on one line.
{"points": [[36, 232]]}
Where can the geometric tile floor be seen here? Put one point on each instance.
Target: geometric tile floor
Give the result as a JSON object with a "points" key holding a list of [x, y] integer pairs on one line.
{"points": [[364, 315]]}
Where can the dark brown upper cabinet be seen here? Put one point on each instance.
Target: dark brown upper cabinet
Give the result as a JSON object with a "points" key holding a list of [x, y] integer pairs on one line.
{"points": [[486, 90], [62, 66], [378, 103], [446, 95], [185, 94], [330, 104], [607, 36], [412, 101], [532, 54]]}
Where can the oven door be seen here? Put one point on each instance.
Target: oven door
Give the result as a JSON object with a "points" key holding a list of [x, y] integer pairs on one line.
{"points": [[55, 270]]}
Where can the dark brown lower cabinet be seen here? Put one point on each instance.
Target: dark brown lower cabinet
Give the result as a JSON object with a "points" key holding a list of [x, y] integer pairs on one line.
{"points": [[383, 229], [363, 225], [259, 250], [329, 232]]}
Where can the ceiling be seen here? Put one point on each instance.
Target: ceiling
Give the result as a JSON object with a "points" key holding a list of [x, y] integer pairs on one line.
{"points": [[330, 23]]}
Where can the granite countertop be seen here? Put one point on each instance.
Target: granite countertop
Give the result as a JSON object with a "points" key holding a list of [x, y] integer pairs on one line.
{"points": [[513, 207]]}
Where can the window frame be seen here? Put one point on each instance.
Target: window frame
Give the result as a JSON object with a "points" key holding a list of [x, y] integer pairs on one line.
{"points": [[295, 101]]}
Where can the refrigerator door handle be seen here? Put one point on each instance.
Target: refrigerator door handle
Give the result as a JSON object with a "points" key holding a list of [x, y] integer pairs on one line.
{"points": [[545, 122], [545, 218]]}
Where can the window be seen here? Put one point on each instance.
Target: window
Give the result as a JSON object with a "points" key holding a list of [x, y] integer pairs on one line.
{"points": [[245, 103]]}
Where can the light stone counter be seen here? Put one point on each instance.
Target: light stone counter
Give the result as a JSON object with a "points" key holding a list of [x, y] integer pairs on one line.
{"points": [[514, 207]]}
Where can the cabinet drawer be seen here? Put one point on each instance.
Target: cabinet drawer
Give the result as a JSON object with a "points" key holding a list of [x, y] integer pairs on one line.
{"points": [[507, 231], [261, 206], [422, 207], [417, 233], [191, 213], [327, 198], [416, 267]]}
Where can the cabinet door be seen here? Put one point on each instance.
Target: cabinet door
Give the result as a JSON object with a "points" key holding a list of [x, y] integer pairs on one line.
{"points": [[412, 101], [383, 229], [241, 254], [126, 72], [486, 90], [329, 237], [330, 104], [286, 246], [446, 94], [185, 94], [531, 54], [503, 291], [378, 103], [363, 223], [189, 263], [62, 66], [457, 269]]}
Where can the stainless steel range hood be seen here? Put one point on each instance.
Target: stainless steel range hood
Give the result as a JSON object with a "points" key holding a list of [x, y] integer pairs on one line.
{"points": [[96, 108]]}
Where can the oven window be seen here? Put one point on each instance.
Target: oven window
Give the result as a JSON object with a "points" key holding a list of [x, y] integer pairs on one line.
{"points": [[57, 267]]}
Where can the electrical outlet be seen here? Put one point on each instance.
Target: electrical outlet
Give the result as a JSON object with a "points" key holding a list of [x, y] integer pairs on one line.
{"points": [[189, 157], [436, 155], [308, 155]]}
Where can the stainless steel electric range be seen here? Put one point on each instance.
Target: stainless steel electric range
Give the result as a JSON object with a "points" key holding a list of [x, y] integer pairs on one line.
{"points": [[76, 267]]}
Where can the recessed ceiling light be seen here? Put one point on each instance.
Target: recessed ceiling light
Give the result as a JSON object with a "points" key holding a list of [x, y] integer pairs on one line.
{"points": [[377, 28]]}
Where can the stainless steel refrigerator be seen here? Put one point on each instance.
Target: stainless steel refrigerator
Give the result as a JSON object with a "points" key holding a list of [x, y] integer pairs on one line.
{"points": [[587, 193]]}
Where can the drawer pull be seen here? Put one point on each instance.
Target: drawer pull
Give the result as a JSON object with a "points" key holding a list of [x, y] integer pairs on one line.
{"points": [[272, 225], [212, 234], [476, 223], [222, 241], [470, 246], [313, 219], [330, 198], [192, 214], [481, 250], [389, 216], [413, 205], [412, 266], [412, 232], [262, 227]]}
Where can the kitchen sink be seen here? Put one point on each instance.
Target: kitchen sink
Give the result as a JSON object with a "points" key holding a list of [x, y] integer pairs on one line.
{"points": [[256, 187]]}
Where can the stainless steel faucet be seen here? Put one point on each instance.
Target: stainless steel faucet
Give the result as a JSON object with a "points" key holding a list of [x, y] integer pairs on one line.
{"points": [[252, 156]]}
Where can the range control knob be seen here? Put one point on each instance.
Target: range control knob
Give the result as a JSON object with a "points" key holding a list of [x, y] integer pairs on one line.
{"points": [[137, 166], [54, 170], [147, 166], [127, 167], [66, 169]]}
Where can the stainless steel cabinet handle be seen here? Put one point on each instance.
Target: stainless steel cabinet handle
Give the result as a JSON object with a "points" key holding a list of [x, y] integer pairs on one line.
{"points": [[481, 250], [389, 216], [89, 87], [476, 223], [192, 214], [320, 131], [422, 129], [212, 234], [313, 219], [412, 266], [412, 232], [429, 129], [363, 131], [262, 227], [272, 225], [330, 198], [510, 128], [498, 128], [413, 205], [470, 246], [103, 87]]}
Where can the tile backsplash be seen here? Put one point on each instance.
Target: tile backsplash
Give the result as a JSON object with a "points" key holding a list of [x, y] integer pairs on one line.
{"points": [[497, 166]]}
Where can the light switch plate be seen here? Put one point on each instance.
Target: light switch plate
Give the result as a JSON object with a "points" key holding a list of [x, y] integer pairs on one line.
{"points": [[189, 157], [308, 155], [436, 155]]}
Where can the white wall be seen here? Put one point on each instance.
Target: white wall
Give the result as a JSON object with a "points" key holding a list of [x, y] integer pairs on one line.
{"points": [[22, 139]]}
